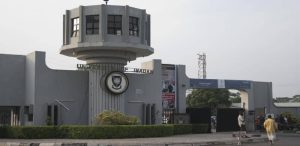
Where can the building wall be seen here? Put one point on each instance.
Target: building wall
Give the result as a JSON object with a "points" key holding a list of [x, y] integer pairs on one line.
{"points": [[263, 95], [182, 85], [294, 110], [12, 80], [30, 79], [68, 87], [26, 80], [147, 89], [144, 89], [255, 100]]}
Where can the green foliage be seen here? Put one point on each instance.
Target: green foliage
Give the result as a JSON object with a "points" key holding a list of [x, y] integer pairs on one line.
{"points": [[48, 121], [200, 128], [212, 98], [86, 132], [236, 99], [292, 119], [191, 128], [183, 129], [28, 132], [116, 118], [98, 132]]}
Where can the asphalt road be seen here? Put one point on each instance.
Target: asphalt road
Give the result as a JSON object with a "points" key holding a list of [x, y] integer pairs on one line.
{"points": [[283, 140]]}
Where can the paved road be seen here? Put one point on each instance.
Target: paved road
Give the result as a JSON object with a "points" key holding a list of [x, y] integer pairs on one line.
{"points": [[283, 140], [219, 138]]}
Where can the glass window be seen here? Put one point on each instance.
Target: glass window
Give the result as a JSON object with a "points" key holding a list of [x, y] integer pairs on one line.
{"points": [[114, 24], [133, 26], [75, 28], [92, 24]]}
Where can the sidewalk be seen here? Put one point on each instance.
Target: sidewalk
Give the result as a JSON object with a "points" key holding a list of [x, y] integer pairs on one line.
{"points": [[222, 138]]}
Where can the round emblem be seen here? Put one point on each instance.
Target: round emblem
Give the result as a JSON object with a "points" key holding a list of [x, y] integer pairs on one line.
{"points": [[116, 82]]}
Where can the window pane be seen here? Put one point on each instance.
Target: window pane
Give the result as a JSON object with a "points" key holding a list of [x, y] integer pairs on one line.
{"points": [[110, 31], [114, 24], [111, 24], [133, 26], [119, 32], [89, 31], [96, 25], [75, 27], [96, 31], [92, 24], [89, 25], [76, 21], [89, 19], [118, 25]]}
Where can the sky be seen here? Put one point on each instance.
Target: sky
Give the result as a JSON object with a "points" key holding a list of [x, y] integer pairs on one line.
{"points": [[256, 40]]}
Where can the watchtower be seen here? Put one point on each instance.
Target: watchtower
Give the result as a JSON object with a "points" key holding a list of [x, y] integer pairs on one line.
{"points": [[108, 37]]}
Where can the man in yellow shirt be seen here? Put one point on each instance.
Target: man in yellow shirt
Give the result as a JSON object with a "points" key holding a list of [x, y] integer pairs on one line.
{"points": [[270, 127]]}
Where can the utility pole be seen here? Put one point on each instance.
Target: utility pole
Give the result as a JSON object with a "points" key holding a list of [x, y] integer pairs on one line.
{"points": [[201, 66]]}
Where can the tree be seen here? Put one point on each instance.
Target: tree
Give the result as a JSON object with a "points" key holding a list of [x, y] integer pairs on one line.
{"points": [[235, 97], [212, 98]]}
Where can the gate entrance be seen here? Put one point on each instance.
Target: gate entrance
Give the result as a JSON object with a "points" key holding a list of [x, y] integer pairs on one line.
{"points": [[227, 119], [200, 116]]}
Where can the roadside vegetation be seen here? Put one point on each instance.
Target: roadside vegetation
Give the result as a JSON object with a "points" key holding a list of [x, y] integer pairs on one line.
{"points": [[110, 124]]}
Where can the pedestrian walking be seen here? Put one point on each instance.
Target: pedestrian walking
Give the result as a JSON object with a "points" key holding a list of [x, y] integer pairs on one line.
{"points": [[242, 124], [270, 126]]}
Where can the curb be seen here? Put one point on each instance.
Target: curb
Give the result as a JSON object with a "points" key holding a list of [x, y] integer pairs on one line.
{"points": [[209, 143]]}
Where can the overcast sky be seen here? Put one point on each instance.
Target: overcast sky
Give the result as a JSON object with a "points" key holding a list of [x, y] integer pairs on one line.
{"points": [[255, 40]]}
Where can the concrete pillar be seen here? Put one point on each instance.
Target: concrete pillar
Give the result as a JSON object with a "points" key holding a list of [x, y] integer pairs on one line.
{"points": [[247, 101], [100, 98]]}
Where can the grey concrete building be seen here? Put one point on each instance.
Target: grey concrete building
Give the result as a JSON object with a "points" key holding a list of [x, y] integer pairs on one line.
{"points": [[106, 37]]}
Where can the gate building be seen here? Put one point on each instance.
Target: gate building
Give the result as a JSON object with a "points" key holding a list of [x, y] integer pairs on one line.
{"points": [[106, 37]]}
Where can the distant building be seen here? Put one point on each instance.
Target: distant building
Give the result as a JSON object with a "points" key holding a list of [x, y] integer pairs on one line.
{"points": [[283, 99]]}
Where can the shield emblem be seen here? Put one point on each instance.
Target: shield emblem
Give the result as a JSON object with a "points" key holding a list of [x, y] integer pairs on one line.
{"points": [[116, 80]]}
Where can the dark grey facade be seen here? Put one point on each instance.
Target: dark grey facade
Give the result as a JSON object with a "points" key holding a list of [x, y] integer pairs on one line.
{"points": [[29, 87], [33, 94]]}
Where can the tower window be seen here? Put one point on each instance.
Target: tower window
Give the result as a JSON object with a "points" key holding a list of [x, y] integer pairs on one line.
{"points": [[114, 24], [92, 24], [133, 26], [75, 27]]}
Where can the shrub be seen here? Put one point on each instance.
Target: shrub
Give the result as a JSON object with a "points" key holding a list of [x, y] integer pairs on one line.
{"points": [[28, 132], [183, 129], [115, 118], [201, 128], [292, 119], [39, 132], [86, 132], [99, 132]]}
